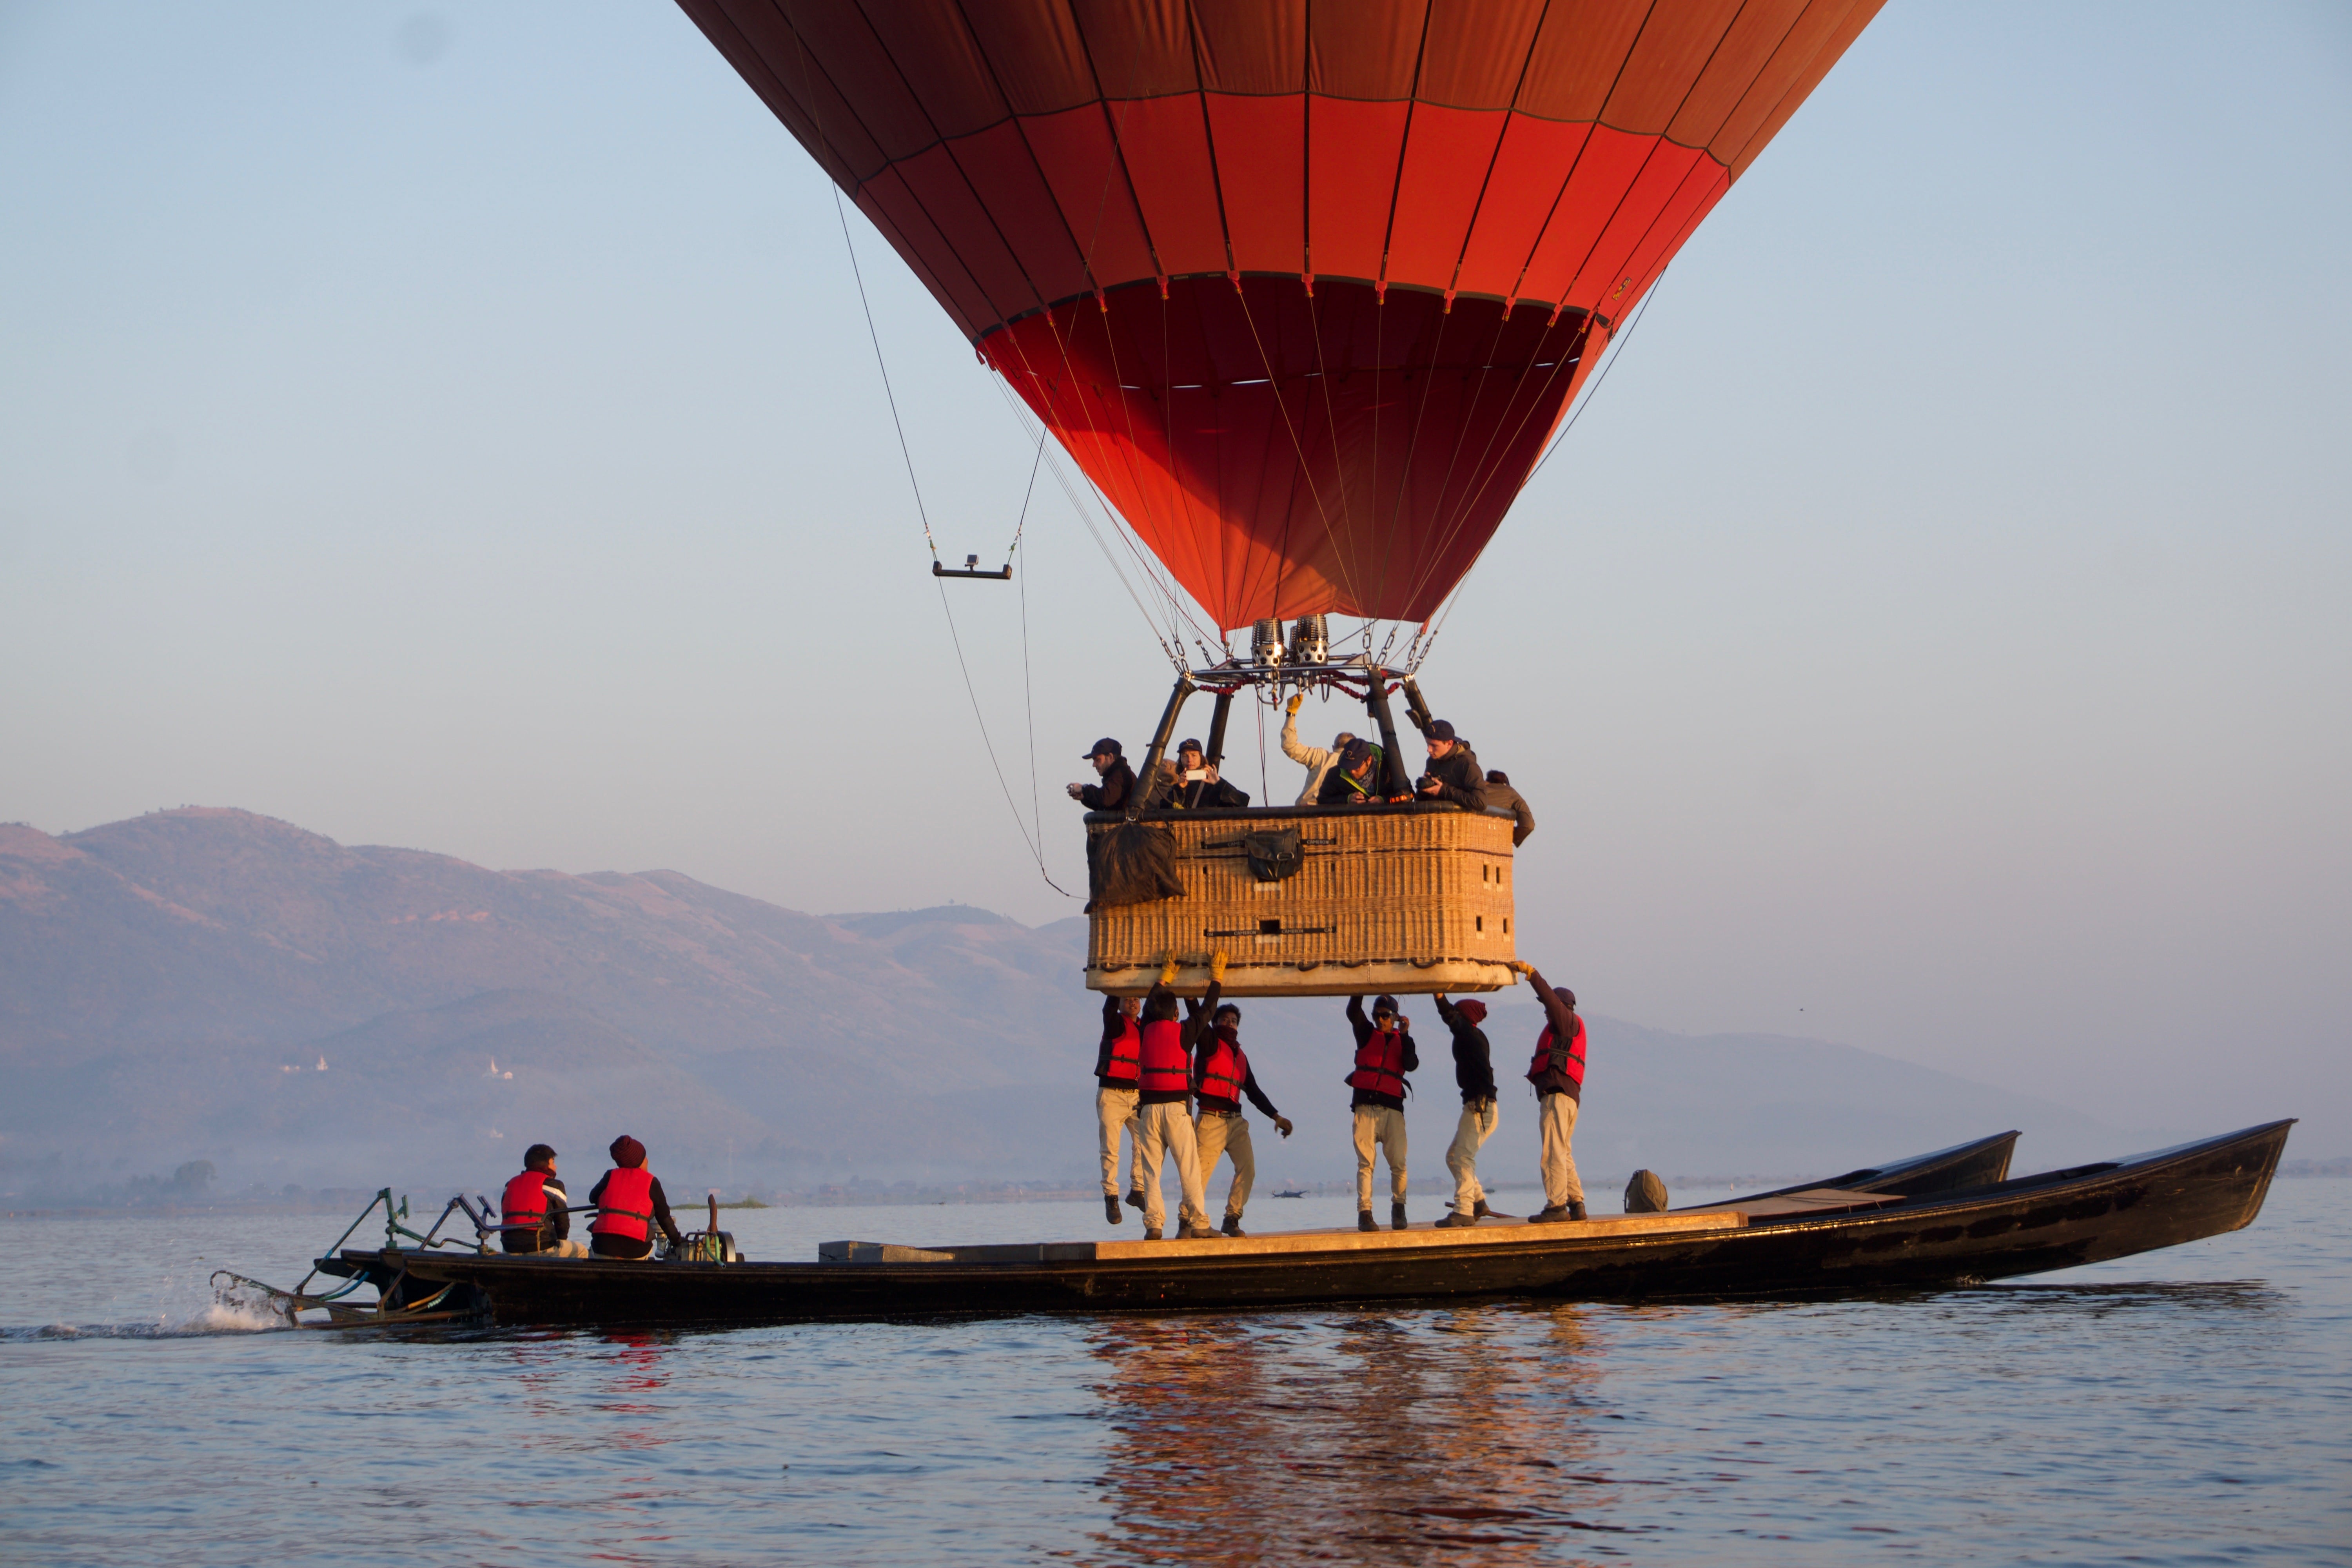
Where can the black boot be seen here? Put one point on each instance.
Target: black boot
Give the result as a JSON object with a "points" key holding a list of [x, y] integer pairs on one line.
{"points": [[1151, 1233], [1547, 1215], [1234, 1225], [1364, 1220], [1134, 1199], [1482, 1210], [1576, 1211], [1396, 1216], [1110, 1209], [1458, 1220]]}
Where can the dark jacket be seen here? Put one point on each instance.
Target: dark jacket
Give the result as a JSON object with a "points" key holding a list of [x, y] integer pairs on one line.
{"points": [[1201, 1049], [1114, 1017], [1113, 794], [1409, 1062], [1555, 1080], [1459, 778], [1509, 802], [629, 1247], [1338, 789], [1199, 795], [1473, 1062]]}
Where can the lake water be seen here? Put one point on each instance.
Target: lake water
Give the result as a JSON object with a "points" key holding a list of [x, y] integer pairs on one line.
{"points": [[2187, 1406]]}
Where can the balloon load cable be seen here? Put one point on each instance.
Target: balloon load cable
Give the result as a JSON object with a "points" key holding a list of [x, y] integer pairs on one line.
{"points": [[955, 638]]}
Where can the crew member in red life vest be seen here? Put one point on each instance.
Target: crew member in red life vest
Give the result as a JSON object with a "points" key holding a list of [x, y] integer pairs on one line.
{"points": [[1558, 1072], [536, 1211], [1384, 1054], [1163, 1106], [1221, 1076], [1118, 1068], [629, 1202]]}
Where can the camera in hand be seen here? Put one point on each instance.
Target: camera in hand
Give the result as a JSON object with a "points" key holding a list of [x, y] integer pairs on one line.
{"points": [[1196, 775]]}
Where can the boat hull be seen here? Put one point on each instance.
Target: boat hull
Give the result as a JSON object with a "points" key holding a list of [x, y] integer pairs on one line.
{"points": [[2029, 1225]]}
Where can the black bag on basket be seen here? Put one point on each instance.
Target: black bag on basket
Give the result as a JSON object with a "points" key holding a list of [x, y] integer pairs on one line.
{"points": [[1273, 855], [1134, 863]]}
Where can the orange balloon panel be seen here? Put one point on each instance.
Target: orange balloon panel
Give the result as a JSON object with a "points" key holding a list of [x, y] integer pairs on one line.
{"points": [[1302, 287]]}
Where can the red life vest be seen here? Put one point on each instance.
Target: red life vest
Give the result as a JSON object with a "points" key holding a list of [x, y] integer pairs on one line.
{"points": [[1551, 1080], [1125, 1064], [525, 1202], [1165, 1067], [1380, 1064], [1222, 1074], [627, 1209]]}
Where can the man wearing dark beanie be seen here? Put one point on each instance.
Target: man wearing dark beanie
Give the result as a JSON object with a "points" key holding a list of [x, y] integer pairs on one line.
{"points": [[1474, 1070], [629, 1202]]}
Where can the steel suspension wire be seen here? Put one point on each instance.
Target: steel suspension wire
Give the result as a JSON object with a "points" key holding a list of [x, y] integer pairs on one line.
{"points": [[954, 636], [1616, 352]]}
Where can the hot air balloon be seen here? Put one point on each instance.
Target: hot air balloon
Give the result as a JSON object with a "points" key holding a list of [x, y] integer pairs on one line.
{"points": [[1304, 288]]}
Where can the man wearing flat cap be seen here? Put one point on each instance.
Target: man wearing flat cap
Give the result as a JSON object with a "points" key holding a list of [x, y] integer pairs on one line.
{"points": [[1117, 780]]}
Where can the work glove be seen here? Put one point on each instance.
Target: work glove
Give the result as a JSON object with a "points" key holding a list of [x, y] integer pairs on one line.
{"points": [[1217, 968], [1523, 967], [1296, 699], [1168, 971]]}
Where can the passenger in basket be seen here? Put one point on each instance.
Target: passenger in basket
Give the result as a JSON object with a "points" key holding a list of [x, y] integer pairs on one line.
{"points": [[1453, 773], [1317, 762], [1164, 1103], [1502, 798], [1384, 1054], [1221, 1076], [1118, 1070], [1354, 779], [1117, 779], [629, 1204], [1558, 1073], [1473, 1071], [1197, 786], [536, 1210]]}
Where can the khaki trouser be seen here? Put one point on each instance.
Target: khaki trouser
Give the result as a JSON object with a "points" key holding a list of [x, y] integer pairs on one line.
{"points": [[1377, 1125], [1115, 1113], [1477, 1125], [1229, 1135], [1167, 1130], [1558, 1121]]}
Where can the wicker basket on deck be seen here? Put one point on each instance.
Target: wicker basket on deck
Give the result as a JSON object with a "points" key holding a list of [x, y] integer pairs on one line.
{"points": [[1395, 899]]}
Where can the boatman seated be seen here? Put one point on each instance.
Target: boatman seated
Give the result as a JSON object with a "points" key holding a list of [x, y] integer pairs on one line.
{"points": [[536, 1210], [629, 1202]]}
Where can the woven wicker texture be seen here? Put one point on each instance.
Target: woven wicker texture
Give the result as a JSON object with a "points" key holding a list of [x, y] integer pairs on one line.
{"points": [[1400, 901]]}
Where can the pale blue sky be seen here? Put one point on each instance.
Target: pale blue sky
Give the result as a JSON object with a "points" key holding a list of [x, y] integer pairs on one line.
{"points": [[456, 429]]}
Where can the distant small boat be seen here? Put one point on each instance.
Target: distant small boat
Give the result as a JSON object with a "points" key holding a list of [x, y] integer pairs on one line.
{"points": [[1936, 1221], [1295, 1194]]}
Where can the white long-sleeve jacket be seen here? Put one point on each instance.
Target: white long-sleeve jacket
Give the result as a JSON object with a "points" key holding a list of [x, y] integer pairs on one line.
{"points": [[1316, 760]]}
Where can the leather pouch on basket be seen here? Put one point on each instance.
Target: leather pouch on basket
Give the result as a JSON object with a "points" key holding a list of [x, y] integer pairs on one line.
{"points": [[1134, 863], [1273, 855]]}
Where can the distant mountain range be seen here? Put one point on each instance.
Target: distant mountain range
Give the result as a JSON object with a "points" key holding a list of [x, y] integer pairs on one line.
{"points": [[212, 985]]}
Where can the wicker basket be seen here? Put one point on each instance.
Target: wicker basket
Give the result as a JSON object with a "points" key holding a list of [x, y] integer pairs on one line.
{"points": [[1395, 899]]}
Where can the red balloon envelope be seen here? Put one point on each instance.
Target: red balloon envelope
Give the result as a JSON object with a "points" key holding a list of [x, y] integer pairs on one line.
{"points": [[1304, 288]]}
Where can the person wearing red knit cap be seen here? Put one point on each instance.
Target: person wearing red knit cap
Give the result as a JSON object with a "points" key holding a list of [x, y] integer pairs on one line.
{"points": [[629, 1204]]}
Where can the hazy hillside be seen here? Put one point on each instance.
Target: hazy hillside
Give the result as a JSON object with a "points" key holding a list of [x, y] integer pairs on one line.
{"points": [[170, 985]]}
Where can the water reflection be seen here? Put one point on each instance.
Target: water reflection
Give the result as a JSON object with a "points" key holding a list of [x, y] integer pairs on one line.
{"points": [[1350, 1436]]}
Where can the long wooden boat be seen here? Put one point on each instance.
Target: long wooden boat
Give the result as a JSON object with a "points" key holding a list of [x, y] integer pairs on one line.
{"points": [[1873, 1236]]}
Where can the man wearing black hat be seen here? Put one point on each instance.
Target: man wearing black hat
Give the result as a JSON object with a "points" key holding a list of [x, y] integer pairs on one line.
{"points": [[1501, 797], [1384, 1054], [1453, 773], [1118, 785], [1355, 778], [1196, 785], [1473, 1072]]}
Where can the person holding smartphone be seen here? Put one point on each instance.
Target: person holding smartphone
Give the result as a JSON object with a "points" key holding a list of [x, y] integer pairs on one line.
{"points": [[1198, 787]]}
